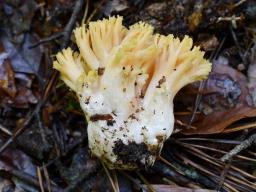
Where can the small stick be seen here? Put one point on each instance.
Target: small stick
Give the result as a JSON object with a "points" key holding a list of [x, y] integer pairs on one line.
{"points": [[5, 130], [134, 181], [240, 3], [48, 183], [40, 179], [109, 177], [85, 11], [197, 103], [202, 85], [244, 145], [21, 128], [46, 39], [149, 186], [69, 27], [237, 44], [223, 176]]}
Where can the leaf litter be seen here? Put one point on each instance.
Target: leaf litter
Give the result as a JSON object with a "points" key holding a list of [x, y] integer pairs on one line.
{"points": [[52, 153]]}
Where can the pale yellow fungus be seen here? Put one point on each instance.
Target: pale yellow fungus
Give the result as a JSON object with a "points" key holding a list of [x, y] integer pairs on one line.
{"points": [[126, 80]]}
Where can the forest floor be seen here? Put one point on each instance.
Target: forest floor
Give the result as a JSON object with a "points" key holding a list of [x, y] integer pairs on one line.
{"points": [[43, 138]]}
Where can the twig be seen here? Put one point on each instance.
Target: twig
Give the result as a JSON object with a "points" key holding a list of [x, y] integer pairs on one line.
{"points": [[216, 150], [41, 127], [109, 177], [134, 181], [59, 141], [223, 176], [170, 171], [223, 141], [202, 85], [244, 145], [46, 39], [20, 129], [240, 3], [40, 179], [6, 144], [48, 183], [239, 128], [176, 158], [91, 16], [115, 178], [216, 53], [237, 44], [2, 128], [217, 163], [197, 103], [211, 175], [85, 11], [149, 186], [180, 123], [69, 27]]}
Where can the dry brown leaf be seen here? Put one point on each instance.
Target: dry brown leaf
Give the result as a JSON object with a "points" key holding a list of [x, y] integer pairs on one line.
{"points": [[207, 42], [194, 20], [13, 159], [12, 92], [7, 76], [224, 101]]}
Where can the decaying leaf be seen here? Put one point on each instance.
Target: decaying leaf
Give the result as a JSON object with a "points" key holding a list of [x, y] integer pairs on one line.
{"points": [[6, 185], [224, 101], [114, 6], [15, 88], [7, 75], [194, 20], [208, 42], [15, 159], [23, 59]]}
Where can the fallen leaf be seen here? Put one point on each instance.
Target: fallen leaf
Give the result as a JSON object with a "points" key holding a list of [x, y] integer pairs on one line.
{"points": [[24, 97], [194, 20], [15, 88], [24, 79], [13, 159], [6, 185], [208, 42], [224, 101], [7, 76], [114, 6], [156, 10], [23, 59], [36, 143]]}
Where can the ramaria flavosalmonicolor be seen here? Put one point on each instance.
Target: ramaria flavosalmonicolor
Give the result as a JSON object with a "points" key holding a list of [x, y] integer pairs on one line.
{"points": [[126, 79]]}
